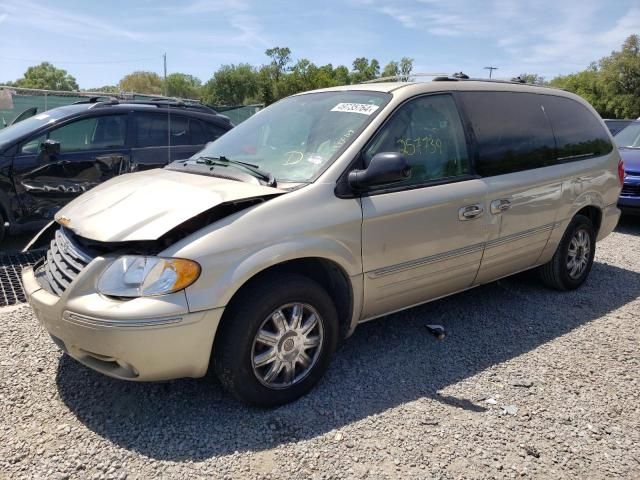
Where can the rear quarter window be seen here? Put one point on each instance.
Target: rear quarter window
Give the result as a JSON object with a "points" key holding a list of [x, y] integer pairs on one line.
{"points": [[578, 132], [511, 129]]}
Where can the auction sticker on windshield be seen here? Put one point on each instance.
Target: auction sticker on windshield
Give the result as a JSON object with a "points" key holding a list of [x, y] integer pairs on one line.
{"points": [[364, 108]]}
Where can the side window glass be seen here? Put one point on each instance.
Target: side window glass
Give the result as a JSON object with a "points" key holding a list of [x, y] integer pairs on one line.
{"points": [[151, 130], [32, 147], [198, 135], [512, 131], [213, 132], [179, 131], [91, 133], [429, 133], [578, 132]]}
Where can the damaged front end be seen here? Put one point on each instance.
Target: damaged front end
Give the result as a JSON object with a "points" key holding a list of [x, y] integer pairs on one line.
{"points": [[68, 253]]}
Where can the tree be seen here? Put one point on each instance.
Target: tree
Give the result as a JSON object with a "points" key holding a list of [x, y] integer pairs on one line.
{"points": [[391, 69], [341, 75], [364, 70], [620, 75], [142, 82], [611, 85], [47, 77], [533, 78], [406, 67], [106, 89], [280, 58], [232, 85], [587, 84], [183, 86]]}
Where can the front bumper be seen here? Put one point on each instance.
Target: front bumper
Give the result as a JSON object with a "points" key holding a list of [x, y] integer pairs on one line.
{"points": [[630, 195], [140, 339]]}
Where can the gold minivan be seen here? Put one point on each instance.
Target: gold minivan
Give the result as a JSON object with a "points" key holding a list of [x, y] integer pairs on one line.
{"points": [[327, 209]]}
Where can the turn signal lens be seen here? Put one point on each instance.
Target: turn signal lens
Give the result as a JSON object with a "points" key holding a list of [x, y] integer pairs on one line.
{"points": [[137, 276]]}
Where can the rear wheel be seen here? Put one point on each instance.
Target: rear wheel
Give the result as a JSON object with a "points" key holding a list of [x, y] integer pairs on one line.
{"points": [[276, 341], [571, 264]]}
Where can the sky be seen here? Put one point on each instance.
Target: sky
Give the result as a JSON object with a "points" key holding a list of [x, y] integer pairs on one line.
{"points": [[100, 42]]}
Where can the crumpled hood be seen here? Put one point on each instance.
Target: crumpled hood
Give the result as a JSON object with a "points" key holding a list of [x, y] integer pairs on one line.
{"points": [[146, 205]]}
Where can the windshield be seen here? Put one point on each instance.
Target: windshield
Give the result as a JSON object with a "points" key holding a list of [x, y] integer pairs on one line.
{"points": [[629, 137], [296, 138], [30, 124]]}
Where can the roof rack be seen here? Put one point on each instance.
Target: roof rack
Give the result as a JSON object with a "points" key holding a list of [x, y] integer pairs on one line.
{"points": [[463, 77], [156, 102], [97, 100], [403, 78]]}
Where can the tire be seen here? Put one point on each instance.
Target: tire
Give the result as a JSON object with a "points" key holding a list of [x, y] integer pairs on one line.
{"points": [[557, 273], [238, 354]]}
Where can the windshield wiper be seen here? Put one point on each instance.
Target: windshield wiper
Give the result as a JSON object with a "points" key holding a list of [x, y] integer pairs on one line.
{"points": [[267, 177]]}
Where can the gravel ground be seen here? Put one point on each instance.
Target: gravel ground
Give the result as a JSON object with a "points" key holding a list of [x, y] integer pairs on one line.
{"points": [[529, 383]]}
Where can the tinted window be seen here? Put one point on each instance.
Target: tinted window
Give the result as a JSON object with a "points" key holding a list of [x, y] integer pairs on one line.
{"points": [[32, 145], [180, 131], [202, 132], [429, 133], [151, 130], [578, 132], [511, 129], [91, 133]]}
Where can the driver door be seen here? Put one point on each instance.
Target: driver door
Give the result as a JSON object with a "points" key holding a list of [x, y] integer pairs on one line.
{"points": [[424, 237], [92, 150]]}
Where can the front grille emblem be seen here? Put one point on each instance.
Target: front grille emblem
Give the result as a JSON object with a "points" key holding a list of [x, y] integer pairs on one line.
{"points": [[64, 221]]}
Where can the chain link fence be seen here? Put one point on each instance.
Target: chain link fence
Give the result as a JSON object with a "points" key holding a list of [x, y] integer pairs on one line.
{"points": [[16, 100]]}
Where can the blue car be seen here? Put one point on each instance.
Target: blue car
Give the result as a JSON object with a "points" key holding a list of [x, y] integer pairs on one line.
{"points": [[628, 140]]}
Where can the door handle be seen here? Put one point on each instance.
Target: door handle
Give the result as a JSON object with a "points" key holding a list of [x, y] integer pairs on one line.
{"points": [[500, 205], [470, 212]]}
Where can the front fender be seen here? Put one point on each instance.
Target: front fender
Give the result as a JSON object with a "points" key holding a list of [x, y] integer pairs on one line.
{"points": [[223, 275]]}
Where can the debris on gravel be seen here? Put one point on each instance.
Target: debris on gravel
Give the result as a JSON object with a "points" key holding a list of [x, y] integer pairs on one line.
{"points": [[394, 404]]}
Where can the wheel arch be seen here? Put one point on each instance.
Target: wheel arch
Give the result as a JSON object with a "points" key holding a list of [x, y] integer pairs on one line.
{"points": [[328, 273], [593, 213]]}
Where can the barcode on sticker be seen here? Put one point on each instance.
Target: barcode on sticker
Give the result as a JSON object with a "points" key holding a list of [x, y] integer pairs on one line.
{"points": [[364, 108]]}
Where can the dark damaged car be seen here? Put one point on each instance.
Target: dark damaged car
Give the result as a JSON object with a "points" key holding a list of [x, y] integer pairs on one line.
{"points": [[51, 158]]}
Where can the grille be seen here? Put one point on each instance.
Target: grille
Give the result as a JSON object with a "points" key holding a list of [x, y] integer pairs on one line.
{"points": [[631, 190], [65, 259]]}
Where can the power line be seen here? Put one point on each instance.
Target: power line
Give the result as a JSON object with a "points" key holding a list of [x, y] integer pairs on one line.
{"points": [[72, 62]]}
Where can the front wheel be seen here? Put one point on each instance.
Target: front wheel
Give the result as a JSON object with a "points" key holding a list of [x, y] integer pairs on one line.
{"points": [[276, 341], [571, 264]]}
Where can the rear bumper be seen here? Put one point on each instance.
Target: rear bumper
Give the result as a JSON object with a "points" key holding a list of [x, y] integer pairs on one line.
{"points": [[610, 218], [141, 339]]}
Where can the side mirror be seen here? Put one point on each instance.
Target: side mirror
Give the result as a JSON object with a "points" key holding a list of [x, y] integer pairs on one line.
{"points": [[50, 147], [386, 167]]}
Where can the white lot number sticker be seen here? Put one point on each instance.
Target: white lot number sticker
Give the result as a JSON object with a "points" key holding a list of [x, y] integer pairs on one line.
{"points": [[364, 108]]}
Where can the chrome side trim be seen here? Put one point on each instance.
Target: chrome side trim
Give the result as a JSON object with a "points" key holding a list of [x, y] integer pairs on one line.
{"points": [[85, 321], [381, 272], [520, 235]]}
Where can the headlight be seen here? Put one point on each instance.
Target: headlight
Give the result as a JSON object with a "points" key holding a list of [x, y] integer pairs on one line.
{"points": [[137, 276]]}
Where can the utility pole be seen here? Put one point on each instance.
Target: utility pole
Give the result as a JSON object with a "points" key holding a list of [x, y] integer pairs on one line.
{"points": [[165, 73], [491, 69]]}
